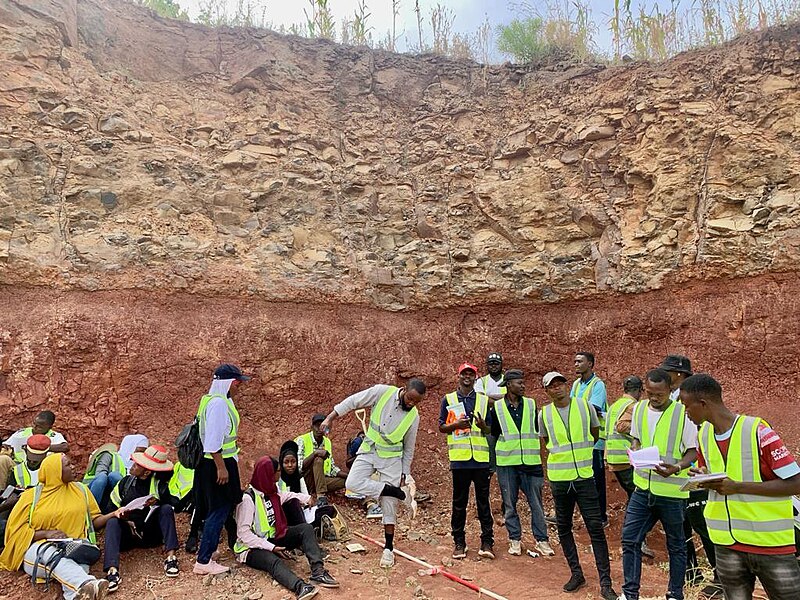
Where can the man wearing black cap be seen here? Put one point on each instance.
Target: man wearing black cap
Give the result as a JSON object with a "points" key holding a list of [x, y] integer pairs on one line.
{"points": [[315, 461], [679, 368], [519, 461], [216, 479]]}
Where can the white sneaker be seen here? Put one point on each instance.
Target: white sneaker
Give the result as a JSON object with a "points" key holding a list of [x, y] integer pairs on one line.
{"points": [[387, 558], [544, 548], [374, 512], [212, 568], [515, 548]]}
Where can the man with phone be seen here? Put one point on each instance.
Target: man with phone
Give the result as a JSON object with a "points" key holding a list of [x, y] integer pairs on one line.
{"points": [[315, 461], [463, 417]]}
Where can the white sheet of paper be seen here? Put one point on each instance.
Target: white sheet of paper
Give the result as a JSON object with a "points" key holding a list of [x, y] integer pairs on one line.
{"points": [[137, 503], [694, 482], [646, 458]]}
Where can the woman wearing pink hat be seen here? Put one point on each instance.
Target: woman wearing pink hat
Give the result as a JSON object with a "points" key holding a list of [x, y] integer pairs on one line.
{"points": [[149, 526]]}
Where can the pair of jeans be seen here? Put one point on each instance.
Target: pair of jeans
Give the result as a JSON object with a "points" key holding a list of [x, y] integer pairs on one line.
{"points": [[212, 528], [462, 479], [779, 574], [297, 536], [643, 512], [599, 475], [513, 479], [103, 482], [158, 529], [566, 494]]}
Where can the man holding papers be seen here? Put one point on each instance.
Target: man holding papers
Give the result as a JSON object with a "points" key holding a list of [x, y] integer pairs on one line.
{"points": [[463, 417], [749, 512], [570, 428], [661, 423]]}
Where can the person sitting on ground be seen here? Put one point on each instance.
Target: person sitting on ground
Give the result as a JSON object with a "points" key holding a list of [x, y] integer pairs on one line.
{"points": [[6, 463], [146, 527], [61, 508], [264, 537], [24, 475], [315, 461], [42, 424], [298, 506], [134, 442], [104, 472]]}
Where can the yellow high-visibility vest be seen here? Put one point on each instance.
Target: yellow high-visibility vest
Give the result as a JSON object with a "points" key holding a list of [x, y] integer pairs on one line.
{"points": [[229, 448], [667, 437], [307, 442], [617, 444], [474, 445], [569, 450], [263, 521], [517, 446], [387, 444]]}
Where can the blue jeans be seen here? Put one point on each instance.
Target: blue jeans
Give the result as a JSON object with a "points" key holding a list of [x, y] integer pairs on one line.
{"points": [[644, 510], [102, 481], [512, 480], [215, 520]]}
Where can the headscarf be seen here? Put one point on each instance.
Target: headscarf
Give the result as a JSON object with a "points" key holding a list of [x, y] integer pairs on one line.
{"points": [[220, 387], [60, 506], [263, 480], [292, 481], [128, 446]]}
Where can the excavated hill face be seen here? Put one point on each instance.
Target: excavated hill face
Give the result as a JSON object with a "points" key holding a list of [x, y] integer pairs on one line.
{"points": [[330, 217]]}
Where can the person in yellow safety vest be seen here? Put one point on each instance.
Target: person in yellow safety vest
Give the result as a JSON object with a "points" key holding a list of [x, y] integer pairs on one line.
{"points": [[217, 487], [519, 461], [592, 389], [315, 461], [680, 368], [146, 527], [569, 427], [105, 470], [661, 422], [749, 513], [42, 424], [491, 386], [463, 416], [24, 475], [387, 450]]}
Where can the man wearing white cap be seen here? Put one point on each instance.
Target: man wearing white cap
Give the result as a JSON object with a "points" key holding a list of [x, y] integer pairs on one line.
{"points": [[145, 527], [570, 428]]}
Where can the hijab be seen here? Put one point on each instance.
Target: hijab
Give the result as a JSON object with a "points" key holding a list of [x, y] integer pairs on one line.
{"points": [[62, 506], [220, 387], [292, 481], [128, 446], [263, 480]]}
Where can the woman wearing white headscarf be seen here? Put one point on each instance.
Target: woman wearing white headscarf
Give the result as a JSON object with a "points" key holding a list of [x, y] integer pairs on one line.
{"points": [[130, 444]]}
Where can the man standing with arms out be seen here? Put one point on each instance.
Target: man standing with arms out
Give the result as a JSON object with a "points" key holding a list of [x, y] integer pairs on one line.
{"points": [[387, 449], [519, 461], [216, 479], [570, 428], [679, 368], [661, 422], [462, 417], [749, 513], [315, 461], [590, 388], [618, 439], [491, 386]]}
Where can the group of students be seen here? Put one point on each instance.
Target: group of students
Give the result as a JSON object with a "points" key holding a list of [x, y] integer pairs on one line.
{"points": [[744, 516]]}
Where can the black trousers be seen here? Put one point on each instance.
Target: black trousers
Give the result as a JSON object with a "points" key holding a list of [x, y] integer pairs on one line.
{"points": [[566, 494], [158, 529], [462, 478], [694, 520], [625, 479], [297, 536], [599, 475]]}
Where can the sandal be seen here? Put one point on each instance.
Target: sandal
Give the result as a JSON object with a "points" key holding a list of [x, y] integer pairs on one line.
{"points": [[171, 567]]}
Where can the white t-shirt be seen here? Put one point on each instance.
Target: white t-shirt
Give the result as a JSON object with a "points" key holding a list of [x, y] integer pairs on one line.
{"points": [[689, 429], [19, 438], [492, 387]]}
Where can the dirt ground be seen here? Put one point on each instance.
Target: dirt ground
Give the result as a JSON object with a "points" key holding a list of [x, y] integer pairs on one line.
{"points": [[514, 577]]}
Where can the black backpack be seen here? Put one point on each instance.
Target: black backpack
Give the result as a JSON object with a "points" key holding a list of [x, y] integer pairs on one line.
{"points": [[189, 445]]}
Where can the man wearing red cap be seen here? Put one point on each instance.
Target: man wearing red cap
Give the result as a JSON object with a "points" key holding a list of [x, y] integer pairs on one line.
{"points": [[145, 527], [463, 417]]}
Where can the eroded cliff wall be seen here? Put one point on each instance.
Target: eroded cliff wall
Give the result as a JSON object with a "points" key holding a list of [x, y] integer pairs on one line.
{"points": [[330, 216]]}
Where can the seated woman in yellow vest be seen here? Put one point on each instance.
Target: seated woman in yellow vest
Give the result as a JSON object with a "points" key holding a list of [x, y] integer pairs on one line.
{"points": [[264, 536], [146, 527], [104, 472]]}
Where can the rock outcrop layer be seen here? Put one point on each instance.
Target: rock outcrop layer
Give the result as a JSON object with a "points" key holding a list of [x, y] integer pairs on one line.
{"points": [[142, 153]]}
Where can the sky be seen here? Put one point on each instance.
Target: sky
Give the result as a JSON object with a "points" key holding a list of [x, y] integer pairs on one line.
{"points": [[469, 14]]}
